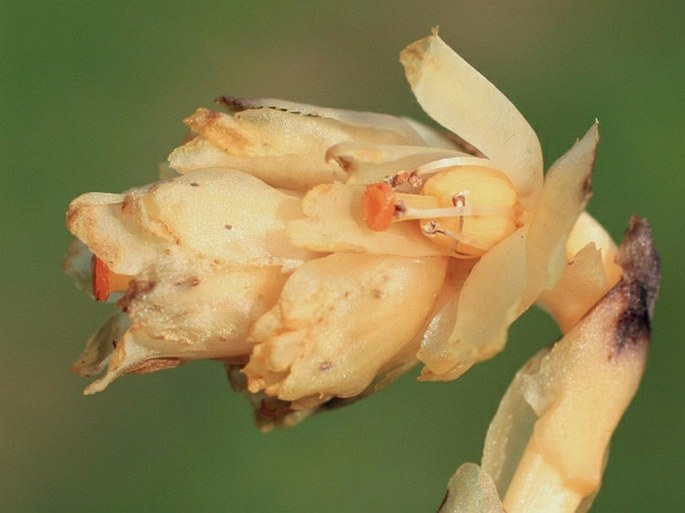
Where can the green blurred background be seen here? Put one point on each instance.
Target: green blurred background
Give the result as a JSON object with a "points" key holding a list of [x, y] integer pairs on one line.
{"points": [[92, 95]]}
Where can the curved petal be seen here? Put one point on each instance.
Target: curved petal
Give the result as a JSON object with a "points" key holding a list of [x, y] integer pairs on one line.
{"points": [[590, 272], [435, 341], [510, 277], [288, 171], [587, 229], [565, 195], [104, 224], [283, 148], [199, 153], [224, 215], [375, 120], [488, 303], [582, 284], [462, 100], [366, 163]]}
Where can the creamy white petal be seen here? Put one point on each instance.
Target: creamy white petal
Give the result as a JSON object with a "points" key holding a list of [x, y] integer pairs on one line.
{"points": [[341, 319], [400, 126], [488, 303], [565, 195], [202, 311], [591, 270], [226, 216], [510, 277], [587, 229], [199, 153], [291, 171], [177, 313], [285, 149], [462, 100], [435, 345], [104, 223], [582, 284]]}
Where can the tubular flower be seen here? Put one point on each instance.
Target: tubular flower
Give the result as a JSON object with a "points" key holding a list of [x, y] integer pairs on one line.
{"points": [[320, 253]]}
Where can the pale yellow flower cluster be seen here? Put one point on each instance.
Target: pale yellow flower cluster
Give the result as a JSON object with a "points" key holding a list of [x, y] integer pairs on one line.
{"points": [[320, 253]]}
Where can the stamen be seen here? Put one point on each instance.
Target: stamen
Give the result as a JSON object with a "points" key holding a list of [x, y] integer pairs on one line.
{"points": [[105, 281], [434, 213], [459, 200], [450, 162], [469, 209], [433, 228], [415, 177]]}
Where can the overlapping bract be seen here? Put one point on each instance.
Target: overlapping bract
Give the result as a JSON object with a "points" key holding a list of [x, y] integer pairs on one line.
{"points": [[257, 253]]}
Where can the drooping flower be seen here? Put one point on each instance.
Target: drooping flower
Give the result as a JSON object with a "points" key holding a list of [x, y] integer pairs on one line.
{"points": [[320, 253]]}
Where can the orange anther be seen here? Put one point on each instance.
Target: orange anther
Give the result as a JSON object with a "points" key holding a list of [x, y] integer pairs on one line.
{"points": [[105, 281], [378, 206]]}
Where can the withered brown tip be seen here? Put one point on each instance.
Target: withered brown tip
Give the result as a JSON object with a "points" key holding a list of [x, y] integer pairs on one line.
{"points": [[638, 289], [640, 261], [232, 103]]}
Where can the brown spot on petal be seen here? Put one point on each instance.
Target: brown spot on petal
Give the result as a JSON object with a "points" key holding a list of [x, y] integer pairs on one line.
{"points": [[587, 186], [345, 164], [231, 103], [135, 288], [190, 281], [126, 204], [274, 409]]}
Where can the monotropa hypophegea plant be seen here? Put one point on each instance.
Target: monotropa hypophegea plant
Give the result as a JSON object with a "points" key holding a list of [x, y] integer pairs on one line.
{"points": [[321, 253]]}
